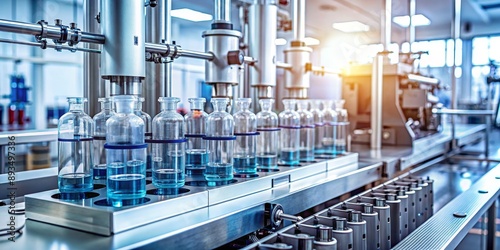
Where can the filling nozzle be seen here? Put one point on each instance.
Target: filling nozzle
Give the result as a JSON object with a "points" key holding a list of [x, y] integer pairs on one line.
{"points": [[125, 85]]}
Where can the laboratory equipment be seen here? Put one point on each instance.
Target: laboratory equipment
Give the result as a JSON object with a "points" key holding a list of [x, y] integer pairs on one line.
{"points": [[196, 149], [341, 128], [18, 100], [289, 122], [245, 130], [319, 125], [307, 135], [268, 140], [125, 152], [147, 128], [330, 119], [100, 119], [168, 146], [75, 149], [220, 139]]}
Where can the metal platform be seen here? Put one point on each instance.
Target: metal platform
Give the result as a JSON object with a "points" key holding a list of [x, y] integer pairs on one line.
{"points": [[97, 216]]}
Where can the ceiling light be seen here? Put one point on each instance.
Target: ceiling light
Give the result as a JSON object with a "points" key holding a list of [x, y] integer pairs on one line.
{"points": [[191, 15], [310, 41], [353, 26], [417, 20], [280, 41]]}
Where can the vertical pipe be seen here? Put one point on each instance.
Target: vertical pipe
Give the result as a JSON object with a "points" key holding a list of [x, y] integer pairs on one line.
{"points": [[386, 24], [491, 226], [376, 105], [411, 26], [39, 115], [154, 86], [299, 19], [455, 26], [168, 39], [93, 85], [222, 11]]}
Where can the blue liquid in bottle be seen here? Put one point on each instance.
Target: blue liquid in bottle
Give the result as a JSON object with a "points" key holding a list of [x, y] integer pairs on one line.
{"points": [[306, 155], [124, 182], [75, 183], [100, 172], [196, 161], [168, 177], [290, 157], [267, 161], [219, 172], [247, 165]]}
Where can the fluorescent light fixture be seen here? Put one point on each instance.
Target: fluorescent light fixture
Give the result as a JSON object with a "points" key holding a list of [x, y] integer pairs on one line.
{"points": [[280, 41], [311, 41], [353, 26], [191, 15], [417, 20]]}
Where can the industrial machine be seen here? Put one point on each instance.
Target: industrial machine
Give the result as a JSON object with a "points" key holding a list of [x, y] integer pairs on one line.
{"points": [[129, 56], [407, 101]]}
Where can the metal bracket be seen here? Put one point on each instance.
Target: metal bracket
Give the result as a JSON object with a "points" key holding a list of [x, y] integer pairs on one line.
{"points": [[274, 216]]}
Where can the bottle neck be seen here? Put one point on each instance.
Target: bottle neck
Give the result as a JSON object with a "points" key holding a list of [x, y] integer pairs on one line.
{"points": [[289, 106], [76, 107], [125, 107], [106, 106], [168, 106], [220, 106], [197, 105], [138, 106]]}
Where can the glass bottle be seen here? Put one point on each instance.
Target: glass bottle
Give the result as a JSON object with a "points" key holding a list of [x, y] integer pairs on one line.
{"points": [[341, 128], [100, 137], [125, 152], [319, 125], [75, 149], [330, 119], [306, 131], [147, 128], [220, 139], [268, 140], [289, 121], [168, 145], [245, 130], [196, 149]]}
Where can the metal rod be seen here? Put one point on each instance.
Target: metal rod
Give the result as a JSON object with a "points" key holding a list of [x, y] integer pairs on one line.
{"points": [[386, 24], [167, 50], [166, 9], [455, 26], [376, 104], [299, 20], [283, 65], [411, 26], [52, 32], [222, 11], [52, 46], [197, 54], [93, 85]]}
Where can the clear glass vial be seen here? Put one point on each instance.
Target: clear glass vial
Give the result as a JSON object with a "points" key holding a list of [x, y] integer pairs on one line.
{"points": [[306, 131], [75, 148], [168, 146], [341, 128], [196, 149], [147, 128], [100, 137], [220, 139], [319, 125], [245, 130], [125, 152], [268, 139], [289, 122], [330, 119]]}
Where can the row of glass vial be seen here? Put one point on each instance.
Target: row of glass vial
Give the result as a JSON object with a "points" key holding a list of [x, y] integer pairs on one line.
{"points": [[211, 148]]}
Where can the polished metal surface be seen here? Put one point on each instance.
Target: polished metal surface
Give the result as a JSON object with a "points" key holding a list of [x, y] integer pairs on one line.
{"points": [[106, 220], [297, 79], [262, 32], [28, 136], [123, 24], [299, 19], [445, 231], [222, 11], [376, 102]]}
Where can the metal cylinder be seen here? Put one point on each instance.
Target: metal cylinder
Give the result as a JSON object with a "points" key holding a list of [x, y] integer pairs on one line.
{"points": [[342, 234], [401, 195], [297, 79], [386, 24], [430, 192], [372, 223], [262, 30], [376, 102], [358, 226], [125, 85], [123, 25], [298, 241], [299, 19], [411, 26], [384, 216], [219, 72], [222, 11], [20, 27], [412, 211], [155, 83]]}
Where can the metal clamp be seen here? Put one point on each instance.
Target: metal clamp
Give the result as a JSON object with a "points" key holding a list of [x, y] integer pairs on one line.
{"points": [[42, 35], [74, 34]]}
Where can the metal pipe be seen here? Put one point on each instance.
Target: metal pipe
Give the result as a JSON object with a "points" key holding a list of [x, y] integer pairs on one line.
{"points": [[299, 19], [376, 103], [93, 85], [222, 11], [411, 26], [52, 32], [455, 32], [196, 54], [51, 46], [386, 24], [166, 9], [172, 50], [154, 85], [283, 65]]}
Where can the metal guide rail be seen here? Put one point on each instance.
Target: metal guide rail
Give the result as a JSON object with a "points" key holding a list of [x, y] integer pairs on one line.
{"points": [[92, 213], [376, 219]]}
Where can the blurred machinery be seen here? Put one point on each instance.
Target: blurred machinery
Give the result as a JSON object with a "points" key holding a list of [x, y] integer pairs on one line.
{"points": [[18, 100]]}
